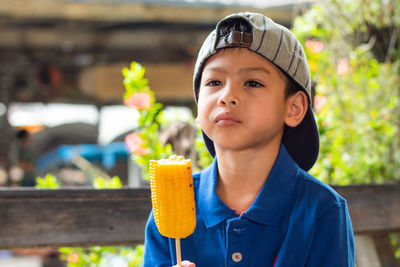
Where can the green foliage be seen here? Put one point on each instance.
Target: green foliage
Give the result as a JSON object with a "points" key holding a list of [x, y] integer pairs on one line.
{"points": [[48, 182], [357, 73], [52, 182], [395, 240], [358, 125], [150, 119], [113, 183], [120, 256]]}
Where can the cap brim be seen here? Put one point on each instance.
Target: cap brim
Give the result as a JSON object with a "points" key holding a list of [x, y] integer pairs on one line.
{"points": [[209, 144], [301, 142]]}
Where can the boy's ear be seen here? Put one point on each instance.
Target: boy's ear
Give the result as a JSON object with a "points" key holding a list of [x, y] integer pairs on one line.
{"points": [[297, 108]]}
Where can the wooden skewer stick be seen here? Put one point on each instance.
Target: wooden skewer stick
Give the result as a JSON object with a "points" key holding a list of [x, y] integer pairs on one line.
{"points": [[178, 252]]}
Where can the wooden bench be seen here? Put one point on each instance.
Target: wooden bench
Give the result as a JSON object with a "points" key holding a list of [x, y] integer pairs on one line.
{"points": [[84, 217]]}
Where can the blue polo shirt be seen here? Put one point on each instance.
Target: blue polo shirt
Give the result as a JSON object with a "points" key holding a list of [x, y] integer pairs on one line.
{"points": [[296, 220]]}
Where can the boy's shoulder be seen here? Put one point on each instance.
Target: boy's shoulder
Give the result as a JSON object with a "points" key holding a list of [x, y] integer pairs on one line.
{"points": [[316, 189], [307, 189]]}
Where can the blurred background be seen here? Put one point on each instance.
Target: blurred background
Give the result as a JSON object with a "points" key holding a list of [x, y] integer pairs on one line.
{"points": [[61, 81], [62, 108]]}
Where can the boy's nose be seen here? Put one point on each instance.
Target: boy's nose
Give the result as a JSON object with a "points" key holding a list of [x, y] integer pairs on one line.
{"points": [[228, 98], [224, 102]]}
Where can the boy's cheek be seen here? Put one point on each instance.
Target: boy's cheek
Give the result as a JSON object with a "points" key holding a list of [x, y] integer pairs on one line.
{"points": [[203, 123], [200, 122]]}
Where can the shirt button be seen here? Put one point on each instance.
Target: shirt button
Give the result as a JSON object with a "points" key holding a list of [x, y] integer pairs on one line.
{"points": [[237, 257]]}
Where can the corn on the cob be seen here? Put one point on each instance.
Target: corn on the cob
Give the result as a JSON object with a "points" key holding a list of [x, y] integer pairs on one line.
{"points": [[172, 196]]}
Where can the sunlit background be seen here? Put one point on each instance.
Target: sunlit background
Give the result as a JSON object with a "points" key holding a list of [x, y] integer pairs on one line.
{"points": [[61, 84], [61, 62]]}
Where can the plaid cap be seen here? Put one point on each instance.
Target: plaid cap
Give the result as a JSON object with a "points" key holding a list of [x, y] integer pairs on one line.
{"points": [[277, 44]]}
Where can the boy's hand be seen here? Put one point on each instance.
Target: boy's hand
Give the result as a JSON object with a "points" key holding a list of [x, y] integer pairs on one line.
{"points": [[187, 264]]}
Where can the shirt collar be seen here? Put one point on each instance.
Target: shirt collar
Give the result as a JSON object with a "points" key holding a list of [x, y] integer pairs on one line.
{"points": [[270, 202], [277, 191]]}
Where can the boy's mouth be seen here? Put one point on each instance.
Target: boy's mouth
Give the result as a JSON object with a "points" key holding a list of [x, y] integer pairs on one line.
{"points": [[226, 119]]}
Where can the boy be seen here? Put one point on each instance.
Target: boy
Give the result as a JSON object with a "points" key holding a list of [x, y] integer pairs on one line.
{"points": [[256, 204]]}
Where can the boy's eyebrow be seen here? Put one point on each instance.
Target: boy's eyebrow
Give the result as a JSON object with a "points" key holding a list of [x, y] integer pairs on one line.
{"points": [[254, 69], [247, 69], [217, 69]]}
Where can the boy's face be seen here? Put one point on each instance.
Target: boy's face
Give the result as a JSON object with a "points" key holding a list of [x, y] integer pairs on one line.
{"points": [[242, 102]]}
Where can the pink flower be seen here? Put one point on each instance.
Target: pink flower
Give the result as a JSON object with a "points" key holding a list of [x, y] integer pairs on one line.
{"points": [[139, 100], [319, 102], [135, 144], [314, 46], [342, 66]]}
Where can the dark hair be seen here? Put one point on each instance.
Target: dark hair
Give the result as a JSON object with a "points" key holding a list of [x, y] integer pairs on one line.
{"points": [[292, 87]]}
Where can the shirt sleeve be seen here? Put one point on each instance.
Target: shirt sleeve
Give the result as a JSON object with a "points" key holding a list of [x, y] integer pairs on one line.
{"points": [[333, 242], [156, 246]]}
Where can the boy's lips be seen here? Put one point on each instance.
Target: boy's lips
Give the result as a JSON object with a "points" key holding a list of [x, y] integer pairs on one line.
{"points": [[226, 119]]}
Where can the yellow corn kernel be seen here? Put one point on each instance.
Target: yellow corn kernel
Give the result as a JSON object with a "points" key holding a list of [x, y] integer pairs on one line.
{"points": [[172, 196]]}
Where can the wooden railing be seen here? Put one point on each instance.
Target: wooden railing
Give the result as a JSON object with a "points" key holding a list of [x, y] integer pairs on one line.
{"points": [[83, 217]]}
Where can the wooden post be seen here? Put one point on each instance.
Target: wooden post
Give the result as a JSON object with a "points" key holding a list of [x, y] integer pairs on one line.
{"points": [[7, 132], [366, 253]]}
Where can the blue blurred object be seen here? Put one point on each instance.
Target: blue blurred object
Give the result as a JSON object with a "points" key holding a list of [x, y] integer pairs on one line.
{"points": [[64, 154], [5, 254]]}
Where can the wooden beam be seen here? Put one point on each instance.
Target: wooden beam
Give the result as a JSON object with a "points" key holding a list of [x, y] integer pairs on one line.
{"points": [[125, 11], [81, 217], [98, 80], [34, 218], [118, 39], [373, 208]]}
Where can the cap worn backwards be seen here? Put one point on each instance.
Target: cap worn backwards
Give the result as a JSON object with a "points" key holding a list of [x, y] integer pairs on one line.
{"points": [[277, 44]]}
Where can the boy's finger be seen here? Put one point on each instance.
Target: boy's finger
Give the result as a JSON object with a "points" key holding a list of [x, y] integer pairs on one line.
{"points": [[188, 264]]}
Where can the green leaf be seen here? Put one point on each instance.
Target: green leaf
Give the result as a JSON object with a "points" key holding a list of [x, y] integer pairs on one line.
{"points": [[48, 182]]}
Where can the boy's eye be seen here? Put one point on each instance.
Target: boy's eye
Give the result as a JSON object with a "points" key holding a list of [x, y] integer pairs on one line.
{"points": [[253, 84], [214, 83]]}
